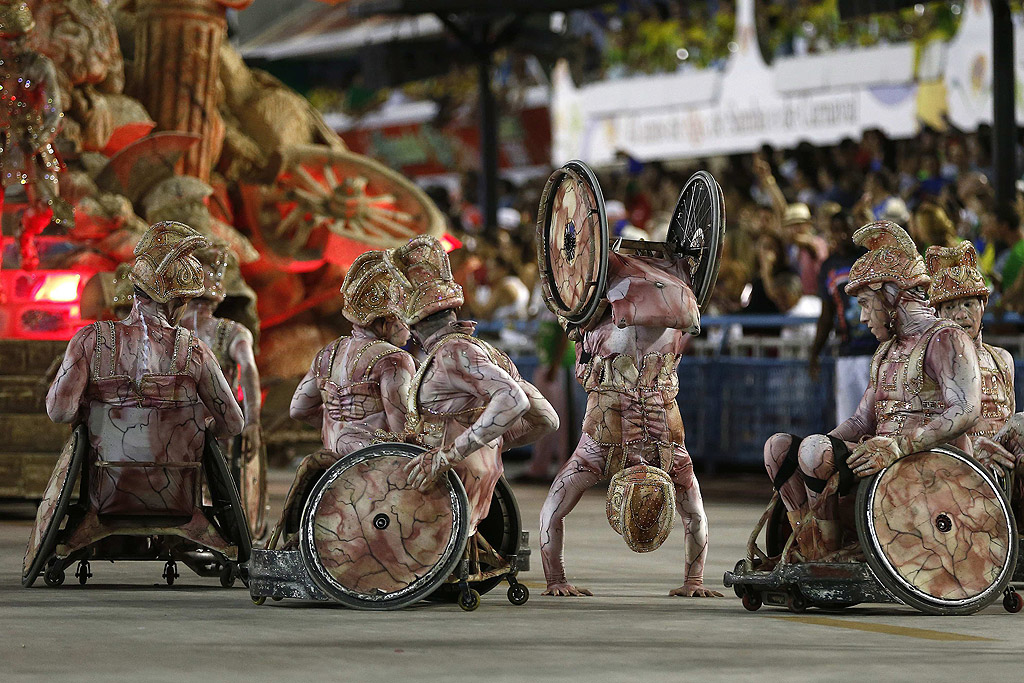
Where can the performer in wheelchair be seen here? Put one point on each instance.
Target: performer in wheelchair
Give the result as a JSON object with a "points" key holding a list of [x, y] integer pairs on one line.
{"points": [[924, 391], [467, 402], [356, 386], [232, 345], [150, 393], [959, 293]]}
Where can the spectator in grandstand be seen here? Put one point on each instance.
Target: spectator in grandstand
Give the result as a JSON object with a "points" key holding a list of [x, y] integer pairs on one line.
{"points": [[1004, 249], [930, 226], [841, 313], [776, 286], [805, 250]]}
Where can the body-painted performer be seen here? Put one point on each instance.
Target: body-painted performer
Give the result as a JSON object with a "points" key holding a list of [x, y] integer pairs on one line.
{"points": [[628, 364], [149, 391], [356, 385], [467, 402], [30, 116], [232, 345], [924, 390], [958, 293]]}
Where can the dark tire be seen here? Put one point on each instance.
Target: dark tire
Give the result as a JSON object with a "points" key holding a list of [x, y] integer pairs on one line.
{"points": [[751, 602], [227, 575], [797, 603], [54, 577], [1013, 602], [83, 573], [260, 600], [518, 594], [469, 600], [170, 572]]}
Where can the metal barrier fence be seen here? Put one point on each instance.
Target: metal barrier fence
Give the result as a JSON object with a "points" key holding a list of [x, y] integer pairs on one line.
{"points": [[736, 391]]}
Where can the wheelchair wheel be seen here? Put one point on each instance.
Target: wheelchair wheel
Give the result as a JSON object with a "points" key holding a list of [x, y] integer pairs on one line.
{"points": [[57, 497], [502, 528], [370, 541], [938, 532]]}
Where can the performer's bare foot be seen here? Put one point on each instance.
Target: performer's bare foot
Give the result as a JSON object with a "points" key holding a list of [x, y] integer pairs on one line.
{"points": [[694, 590], [565, 589]]}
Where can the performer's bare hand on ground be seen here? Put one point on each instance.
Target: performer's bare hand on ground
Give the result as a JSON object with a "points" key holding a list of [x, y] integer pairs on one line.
{"points": [[566, 589], [425, 469], [694, 590]]}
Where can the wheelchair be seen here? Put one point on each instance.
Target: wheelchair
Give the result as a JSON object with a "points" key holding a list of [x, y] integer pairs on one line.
{"points": [[935, 530], [368, 541], [93, 509]]}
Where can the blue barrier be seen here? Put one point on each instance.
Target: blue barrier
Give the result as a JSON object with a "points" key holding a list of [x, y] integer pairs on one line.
{"points": [[731, 405]]}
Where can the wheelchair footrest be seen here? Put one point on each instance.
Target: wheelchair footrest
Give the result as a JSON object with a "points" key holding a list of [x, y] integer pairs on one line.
{"points": [[281, 574], [822, 583]]}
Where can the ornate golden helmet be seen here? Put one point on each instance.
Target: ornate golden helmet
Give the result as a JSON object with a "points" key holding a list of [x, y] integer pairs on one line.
{"points": [[422, 279], [367, 290], [954, 272], [164, 265], [641, 506], [892, 257], [15, 18], [214, 257]]}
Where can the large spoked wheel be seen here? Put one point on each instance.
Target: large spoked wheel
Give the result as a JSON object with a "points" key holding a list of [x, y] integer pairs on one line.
{"points": [[572, 236], [938, 532], [372, 542], [697, 230]]}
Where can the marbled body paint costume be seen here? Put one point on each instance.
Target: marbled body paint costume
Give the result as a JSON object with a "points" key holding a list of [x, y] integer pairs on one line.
{"points": [[356, 385], [149, 392], [232, 346], [628, 363], [924, 390], [959, 293], [467, 402]]}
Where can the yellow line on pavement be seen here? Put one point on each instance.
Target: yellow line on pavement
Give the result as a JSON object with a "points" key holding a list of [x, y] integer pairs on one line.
{"points": [[923, 633]]}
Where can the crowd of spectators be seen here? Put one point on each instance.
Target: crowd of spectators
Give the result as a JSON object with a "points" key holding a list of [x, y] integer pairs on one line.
{"points": [[657, 36], [787, 212]]}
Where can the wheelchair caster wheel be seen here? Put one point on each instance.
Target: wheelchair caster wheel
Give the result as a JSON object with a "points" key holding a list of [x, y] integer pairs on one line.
{"points": [[54, 576], [469, 600], [797, 603], [518, 594], [83, 573], [170, 572], [751, 602], [260, 600], [277, 598], [1012, 601], [227, 576]]}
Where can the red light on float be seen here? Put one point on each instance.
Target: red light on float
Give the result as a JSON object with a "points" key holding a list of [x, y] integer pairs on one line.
{"points": [[450, 243], [59, 288]]}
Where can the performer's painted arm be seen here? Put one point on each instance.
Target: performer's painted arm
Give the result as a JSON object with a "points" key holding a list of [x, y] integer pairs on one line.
{"points": [[216, 395], [395, 373], [53, 106], [952, 361], [249, 377], [66, 395], [539, 420], [471, 371], [307, 403], [1007, 447], [861, 423]]}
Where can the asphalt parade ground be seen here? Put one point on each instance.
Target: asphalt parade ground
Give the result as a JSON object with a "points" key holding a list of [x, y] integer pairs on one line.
{"points": [[126, 624]]}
